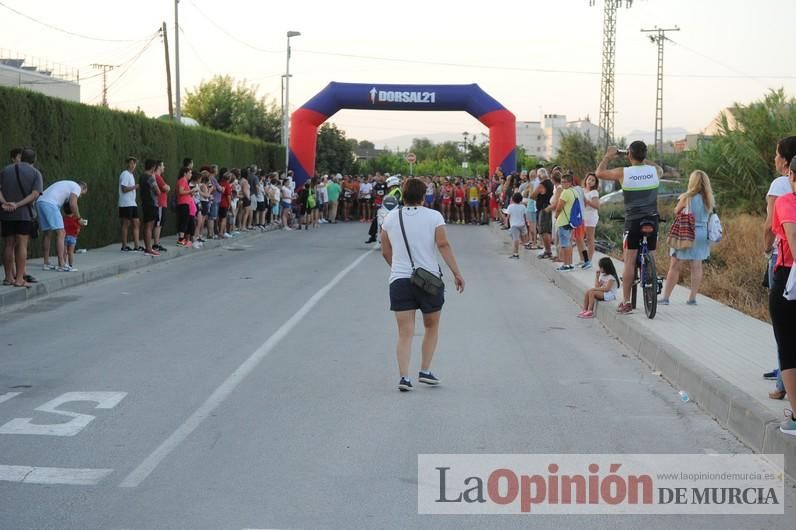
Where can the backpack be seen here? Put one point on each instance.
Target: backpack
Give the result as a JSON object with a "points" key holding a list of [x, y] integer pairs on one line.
{"points": [[576, 214], [715, 230], [311, 199]]}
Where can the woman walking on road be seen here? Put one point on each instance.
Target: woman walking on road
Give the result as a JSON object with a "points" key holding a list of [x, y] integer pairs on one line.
{"points": [[699, 201], [407, 249]]}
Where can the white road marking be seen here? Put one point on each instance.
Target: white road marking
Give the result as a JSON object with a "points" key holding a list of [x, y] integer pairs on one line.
{"points": [[8, 395], [53, 475], [104, 400], [145, 468]]}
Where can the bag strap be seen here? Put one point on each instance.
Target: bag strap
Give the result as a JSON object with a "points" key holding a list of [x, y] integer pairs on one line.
{"points": [[19, 183], [403, 232]]}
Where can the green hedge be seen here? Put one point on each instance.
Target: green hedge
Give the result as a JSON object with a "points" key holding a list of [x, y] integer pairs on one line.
{"points": [[81, 142]]}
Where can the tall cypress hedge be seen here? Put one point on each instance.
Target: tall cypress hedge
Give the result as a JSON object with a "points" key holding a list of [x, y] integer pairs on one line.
{"points": [[81, 142]]}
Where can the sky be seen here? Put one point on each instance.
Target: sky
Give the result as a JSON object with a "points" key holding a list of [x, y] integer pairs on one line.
{"points": [[535, 57]]}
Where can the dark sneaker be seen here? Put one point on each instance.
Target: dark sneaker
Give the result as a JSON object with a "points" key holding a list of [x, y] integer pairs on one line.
{"points": [[125, 248], [140, 249], [404, 385], [772, 375], [514, 256], [428, 378], [160, 248], [370, 240]]}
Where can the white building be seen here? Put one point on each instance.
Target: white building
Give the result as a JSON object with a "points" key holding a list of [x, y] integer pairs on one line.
{"points": [[543, 139], [47, 78]]}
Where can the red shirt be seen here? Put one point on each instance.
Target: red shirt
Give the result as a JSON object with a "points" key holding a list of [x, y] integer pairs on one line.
{"points": [[458, 195], [784, 212], [71, 226], [163, 198], [226, 194], [447, 191]]}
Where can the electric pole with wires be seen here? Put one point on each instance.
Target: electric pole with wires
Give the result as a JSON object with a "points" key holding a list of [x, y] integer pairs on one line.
{"points": [[608, 61], [105, 69], [658, 36]]}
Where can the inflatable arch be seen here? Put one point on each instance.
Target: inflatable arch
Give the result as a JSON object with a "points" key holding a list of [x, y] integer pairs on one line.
{"points": [[336, 96]]}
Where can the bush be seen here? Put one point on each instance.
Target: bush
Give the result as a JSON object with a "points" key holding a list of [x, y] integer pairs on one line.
{"points": [[80, 142]]}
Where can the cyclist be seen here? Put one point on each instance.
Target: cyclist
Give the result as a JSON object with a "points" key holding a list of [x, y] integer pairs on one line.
{"points": [[640, 182]]}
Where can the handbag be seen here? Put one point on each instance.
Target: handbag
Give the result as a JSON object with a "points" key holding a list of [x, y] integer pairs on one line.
{"points": [[429, 282], [34, 221], [683, 230]]}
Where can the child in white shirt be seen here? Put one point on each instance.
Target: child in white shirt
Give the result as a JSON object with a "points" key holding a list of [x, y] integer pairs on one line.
{"points": [[605, 288]]}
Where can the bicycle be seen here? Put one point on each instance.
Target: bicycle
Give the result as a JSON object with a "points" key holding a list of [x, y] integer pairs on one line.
{"points": [[645, 272]]}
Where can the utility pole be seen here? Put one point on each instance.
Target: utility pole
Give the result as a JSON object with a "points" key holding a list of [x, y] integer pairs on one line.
{"points": [[658, 36], [105, 69], [178, 110], [606, 121], [168, 69], [286, 109]]}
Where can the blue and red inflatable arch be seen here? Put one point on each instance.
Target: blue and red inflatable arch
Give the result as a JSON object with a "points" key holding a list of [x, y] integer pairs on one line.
{"points": [[336, 96]]}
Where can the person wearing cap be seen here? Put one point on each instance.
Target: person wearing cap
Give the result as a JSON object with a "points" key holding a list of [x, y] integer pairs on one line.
{"points": [[128, 209], [333, 195], [393, 190]]}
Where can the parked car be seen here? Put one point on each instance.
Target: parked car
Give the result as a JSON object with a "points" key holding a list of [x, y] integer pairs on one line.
{"points": [[669, 191]]}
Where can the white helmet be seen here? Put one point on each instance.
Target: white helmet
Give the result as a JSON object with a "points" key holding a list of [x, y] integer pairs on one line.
{"points": [[393, 181]]}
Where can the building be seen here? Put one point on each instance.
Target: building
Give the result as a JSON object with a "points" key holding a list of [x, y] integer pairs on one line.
{"points": [[543, 139], [48, 78], [715, 126], [366, 153]]}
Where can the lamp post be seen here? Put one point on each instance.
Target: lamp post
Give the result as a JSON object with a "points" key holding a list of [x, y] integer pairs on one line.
{"points": [[282, 131], [178, 109], [286, 110]]}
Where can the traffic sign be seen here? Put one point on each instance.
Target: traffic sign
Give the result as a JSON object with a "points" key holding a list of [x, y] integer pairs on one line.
{"points": [[411, 158]]}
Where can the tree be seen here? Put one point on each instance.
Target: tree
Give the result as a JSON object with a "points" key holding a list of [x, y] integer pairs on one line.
{"points": [[578, 153], [334, 153], [226, 105], [740, 159], [365, 144]]}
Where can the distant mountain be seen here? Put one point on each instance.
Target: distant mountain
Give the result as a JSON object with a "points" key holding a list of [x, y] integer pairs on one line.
{"points": [[669, 135], [402, 143]]}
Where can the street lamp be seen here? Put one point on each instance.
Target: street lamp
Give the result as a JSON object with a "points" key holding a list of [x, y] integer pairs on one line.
{"points": [[286, 109], [465, 165], [282, 132]]}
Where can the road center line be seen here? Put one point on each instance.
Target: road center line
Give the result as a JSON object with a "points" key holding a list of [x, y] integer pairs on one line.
{"points": [[52, 475], [145, 468]]}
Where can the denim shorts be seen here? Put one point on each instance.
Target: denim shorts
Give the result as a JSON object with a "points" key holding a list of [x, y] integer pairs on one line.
{"points": [[213, 212], [564, 237], [70, 241], [49, 216]]}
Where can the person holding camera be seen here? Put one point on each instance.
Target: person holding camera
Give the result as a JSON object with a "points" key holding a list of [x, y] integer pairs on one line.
{"points": [[640, 182], [410, 238]]}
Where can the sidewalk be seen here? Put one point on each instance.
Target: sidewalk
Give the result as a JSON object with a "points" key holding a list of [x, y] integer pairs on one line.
{"points": [[716, 354], [99, 263]]}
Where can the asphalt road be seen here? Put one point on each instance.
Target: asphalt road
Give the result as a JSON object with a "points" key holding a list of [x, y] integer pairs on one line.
{"points": [[257, 389]]}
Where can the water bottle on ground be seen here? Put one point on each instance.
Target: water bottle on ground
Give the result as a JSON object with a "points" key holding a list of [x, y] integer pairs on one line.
{"points": [[684, 396]]}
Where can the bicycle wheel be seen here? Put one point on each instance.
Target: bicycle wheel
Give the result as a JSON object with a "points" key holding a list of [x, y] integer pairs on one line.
{"points": [[649, 286]]}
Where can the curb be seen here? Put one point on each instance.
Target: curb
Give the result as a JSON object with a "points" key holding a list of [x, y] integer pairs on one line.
{"points": [[10, 298], [733, 408]]}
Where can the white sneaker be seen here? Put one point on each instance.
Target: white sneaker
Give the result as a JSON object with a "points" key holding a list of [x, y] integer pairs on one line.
{"points": [[226, 235], [65, 268], [287, 228], [198, 244], [48, 267]]}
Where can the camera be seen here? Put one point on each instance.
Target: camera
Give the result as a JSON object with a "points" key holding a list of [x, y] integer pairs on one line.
{"points": [[622, 152]]}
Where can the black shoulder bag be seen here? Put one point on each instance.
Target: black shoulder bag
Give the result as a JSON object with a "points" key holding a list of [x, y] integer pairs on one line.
{"points": [[429, 282], [34, 229]]}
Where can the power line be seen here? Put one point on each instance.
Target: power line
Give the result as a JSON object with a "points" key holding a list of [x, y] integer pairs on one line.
{"points": [[66, 31], [534, 70], [128, 64], [230, 35]]}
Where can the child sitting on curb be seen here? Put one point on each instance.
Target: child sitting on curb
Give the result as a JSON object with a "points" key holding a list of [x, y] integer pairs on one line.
{"points": [[605, 287]]}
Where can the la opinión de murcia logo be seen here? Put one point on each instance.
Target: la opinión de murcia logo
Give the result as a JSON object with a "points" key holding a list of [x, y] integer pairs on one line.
{"points": [[401, 96], [505, 487]]}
